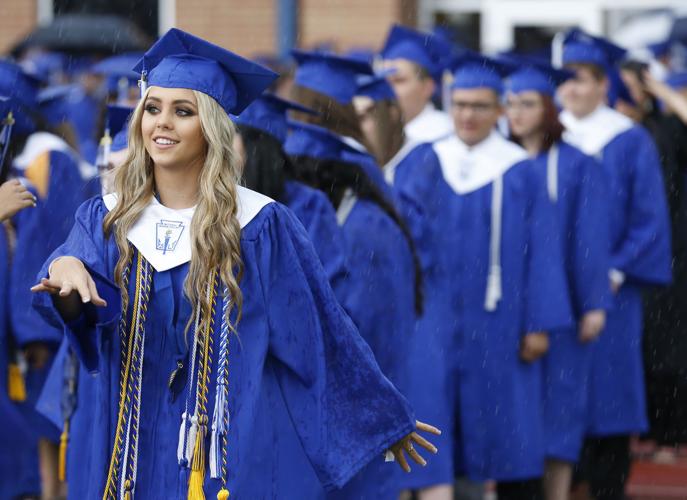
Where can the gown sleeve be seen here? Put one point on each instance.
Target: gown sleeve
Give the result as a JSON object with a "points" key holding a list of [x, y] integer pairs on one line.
{"points": [[589, 243], [86, 242], [644, 253], [58, 186], [547, 298], [343, 408]]}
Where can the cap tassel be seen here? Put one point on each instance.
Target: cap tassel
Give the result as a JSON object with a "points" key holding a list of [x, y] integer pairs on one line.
{"points": [[5, 135], [17, 387], [223, 494], [195, 482], [62, 461]]}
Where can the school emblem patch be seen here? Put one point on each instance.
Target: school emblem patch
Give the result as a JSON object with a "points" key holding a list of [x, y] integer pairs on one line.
{"points": [[167, 234]]}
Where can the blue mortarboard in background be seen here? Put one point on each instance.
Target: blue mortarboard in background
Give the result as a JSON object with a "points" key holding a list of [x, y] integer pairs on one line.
{"points": [[677, 80], [313, 141], [268, 113], [660, 49], [431, 51], [472, 70], [118, 125], [329, 74], [363, 54], [617, 88], [54, 102], [181, 60], [535, 75], [580, 47], [15, 82], [376, 87], [13, 119], [46, 66], [118, 71]]}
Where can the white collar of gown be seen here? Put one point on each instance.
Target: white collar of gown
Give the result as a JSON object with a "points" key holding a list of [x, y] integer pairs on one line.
{"points": [[594, 131], [429, 126], [467, 169], [163, 235]]}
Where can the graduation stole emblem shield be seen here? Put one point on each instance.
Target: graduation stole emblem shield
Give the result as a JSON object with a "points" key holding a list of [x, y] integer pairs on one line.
{"points": [[167, 234]]}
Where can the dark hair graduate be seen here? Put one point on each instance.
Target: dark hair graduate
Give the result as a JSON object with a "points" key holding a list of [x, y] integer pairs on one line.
{"points": [[334, 177]]}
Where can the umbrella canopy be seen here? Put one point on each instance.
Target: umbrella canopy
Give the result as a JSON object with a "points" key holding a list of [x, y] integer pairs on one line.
{"points": [[87, 33]]}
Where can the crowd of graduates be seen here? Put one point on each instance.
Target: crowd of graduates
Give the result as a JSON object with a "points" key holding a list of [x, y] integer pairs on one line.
{"points": [[508, 270]]}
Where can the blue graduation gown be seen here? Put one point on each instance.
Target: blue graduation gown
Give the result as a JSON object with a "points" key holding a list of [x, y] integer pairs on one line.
{"points": [[56, 181], [295, 347], [576, 190], [16, 439], [383, 307], [641, 249], [495, 396]]}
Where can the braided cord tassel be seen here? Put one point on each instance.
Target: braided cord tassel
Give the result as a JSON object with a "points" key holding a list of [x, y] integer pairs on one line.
{"points": [[197, 478], [127, 352], [220, 417], [131, 448]]}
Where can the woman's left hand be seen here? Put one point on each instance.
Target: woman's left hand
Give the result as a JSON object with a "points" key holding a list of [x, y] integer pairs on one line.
{"points": [[407, 444]]}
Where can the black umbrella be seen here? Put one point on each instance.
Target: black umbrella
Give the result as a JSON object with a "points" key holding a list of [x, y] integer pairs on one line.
{"points": [[87, 33]]}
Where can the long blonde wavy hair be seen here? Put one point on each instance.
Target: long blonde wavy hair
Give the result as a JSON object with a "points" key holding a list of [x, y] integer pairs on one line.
{"points": [[215, 230]]}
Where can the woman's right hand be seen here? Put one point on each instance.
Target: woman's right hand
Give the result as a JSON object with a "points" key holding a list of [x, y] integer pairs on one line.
{"points": [[68, 279], [14, 197]]}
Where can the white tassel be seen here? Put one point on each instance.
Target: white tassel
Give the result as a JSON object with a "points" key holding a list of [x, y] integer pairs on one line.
{"points": [[493, 289], [191, 442], [217, 432], [183, 435]]}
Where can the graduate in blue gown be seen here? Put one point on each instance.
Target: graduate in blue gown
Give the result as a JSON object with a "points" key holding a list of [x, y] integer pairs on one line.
{"points": [[50, 168], [575, 187], [640, 252], [17, 441], [418, 61], [327, 83], [384, 293], [188, 354], [263, 131], [501, 281]]}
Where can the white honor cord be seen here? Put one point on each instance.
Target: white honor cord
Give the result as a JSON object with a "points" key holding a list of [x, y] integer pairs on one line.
{"points": [[493, 295], [552, 173]]}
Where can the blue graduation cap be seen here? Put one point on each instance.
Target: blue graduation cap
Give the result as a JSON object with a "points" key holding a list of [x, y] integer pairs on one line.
{"points": [[313, 141], [117, 122], [677, 80], [660, 49], [118, 71], [181, 60], [376, 87], [329, 74], [535, 75], [54, 102], [268, 113], [472, 70], [430, 51], [16, 83], [581, 47]]}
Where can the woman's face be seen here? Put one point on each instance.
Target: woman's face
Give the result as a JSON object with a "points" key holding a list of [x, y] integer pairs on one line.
{"points": [[171, 129], [525, 111], [365, 109]]}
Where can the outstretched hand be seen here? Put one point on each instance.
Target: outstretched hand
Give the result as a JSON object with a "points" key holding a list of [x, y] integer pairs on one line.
{"points": [[406, 444], [71, 284]]}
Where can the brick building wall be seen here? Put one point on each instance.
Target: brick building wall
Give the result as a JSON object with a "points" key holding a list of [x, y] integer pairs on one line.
{"points": [[250, 26], [17, 18]]}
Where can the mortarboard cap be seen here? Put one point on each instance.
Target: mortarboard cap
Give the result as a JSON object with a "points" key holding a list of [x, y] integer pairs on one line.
{"points": [[534, 75], [472, 70], [580, 47], [677, 80], [181, 60], [430, 51], [117, 125], [268, 113], [328, 74], [376, 88], [54, 102], [313, 141], [15, 82]]}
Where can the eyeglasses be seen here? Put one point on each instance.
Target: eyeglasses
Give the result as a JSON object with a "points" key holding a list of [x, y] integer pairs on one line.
{"points": [[476, 107], [523, 105]]}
